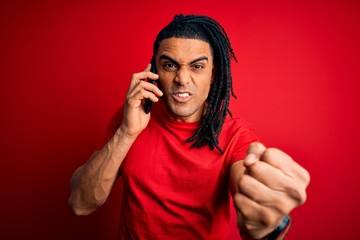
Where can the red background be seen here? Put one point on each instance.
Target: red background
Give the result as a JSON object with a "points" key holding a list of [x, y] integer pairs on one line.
{"points": [[65, 68]]}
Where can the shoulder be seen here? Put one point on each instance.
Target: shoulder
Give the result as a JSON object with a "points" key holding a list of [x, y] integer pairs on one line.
{"points": [[240, 129], [237, 134], [237, 124]]}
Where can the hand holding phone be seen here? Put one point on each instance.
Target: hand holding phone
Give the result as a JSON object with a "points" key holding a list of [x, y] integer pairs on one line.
{"points": [[148, 102]]}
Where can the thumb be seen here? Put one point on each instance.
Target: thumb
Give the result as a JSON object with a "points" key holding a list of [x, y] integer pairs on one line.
{"points": [[254, 153]]}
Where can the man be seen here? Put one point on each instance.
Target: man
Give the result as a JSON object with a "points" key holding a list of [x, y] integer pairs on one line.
{"points": [[179, 161]]}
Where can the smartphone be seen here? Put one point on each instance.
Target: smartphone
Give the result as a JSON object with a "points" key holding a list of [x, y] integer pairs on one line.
{"points": [[148, 102]]}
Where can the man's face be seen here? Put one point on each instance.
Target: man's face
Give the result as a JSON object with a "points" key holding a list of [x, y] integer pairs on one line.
{"points": [[185, 68]]}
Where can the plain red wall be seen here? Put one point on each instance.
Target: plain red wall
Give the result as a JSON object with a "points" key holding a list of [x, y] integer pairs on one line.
{"points": [[65, 68]]}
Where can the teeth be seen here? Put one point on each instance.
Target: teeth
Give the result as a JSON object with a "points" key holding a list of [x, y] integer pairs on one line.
{"points": [[183, 95]]}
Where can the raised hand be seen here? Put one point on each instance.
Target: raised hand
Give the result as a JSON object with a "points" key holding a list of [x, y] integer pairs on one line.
{"points": [[135, 119], [272, 185]]}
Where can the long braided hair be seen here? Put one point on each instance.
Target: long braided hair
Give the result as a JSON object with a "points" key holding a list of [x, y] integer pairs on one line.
{"points": [[208, 30]]}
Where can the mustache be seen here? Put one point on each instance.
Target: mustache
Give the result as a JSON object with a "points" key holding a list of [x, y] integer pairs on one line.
{"points": [[181, 89]]}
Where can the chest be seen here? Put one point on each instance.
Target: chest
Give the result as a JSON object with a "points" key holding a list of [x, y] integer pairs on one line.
{"points": [[162, 161]]}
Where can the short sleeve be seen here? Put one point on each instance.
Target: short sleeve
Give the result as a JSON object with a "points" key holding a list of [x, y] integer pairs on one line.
{"points": [[114, 124], [245, 136]]}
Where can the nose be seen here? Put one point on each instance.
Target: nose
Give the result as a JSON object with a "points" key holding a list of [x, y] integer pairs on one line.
{"points": [[183, 76]]}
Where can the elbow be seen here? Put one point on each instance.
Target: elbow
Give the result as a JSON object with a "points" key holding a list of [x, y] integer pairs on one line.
{"points": [[80, 210], [75, 209]]}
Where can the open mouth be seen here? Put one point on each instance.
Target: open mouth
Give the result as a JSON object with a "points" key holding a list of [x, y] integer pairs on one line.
{"points": [[181, 97]]}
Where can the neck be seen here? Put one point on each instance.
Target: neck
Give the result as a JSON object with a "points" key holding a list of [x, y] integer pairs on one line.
{"points": [[173, 117]]}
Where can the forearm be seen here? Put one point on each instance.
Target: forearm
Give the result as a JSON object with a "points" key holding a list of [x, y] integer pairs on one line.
{"points": [[91, 183]]}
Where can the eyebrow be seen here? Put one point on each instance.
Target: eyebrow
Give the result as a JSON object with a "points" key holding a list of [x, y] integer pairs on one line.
{"points": [[175, 62]]}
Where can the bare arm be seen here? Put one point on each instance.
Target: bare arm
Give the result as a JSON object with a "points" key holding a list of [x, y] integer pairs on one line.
{"points": [[266, 187], [92, 182]]}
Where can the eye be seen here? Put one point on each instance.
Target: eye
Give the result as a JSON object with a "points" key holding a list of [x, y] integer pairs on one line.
{"points": [[169, 66], [198, 66]]}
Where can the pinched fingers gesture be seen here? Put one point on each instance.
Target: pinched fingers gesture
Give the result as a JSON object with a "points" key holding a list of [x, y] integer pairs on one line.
{"points": [[272, 185], [135, 119]]}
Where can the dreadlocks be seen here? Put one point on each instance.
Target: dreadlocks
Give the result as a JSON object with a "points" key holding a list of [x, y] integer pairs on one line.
{"points": [[208, 30]]}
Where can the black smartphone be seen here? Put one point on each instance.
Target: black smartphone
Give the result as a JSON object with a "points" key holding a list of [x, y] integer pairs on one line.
{"points": [[148, 102]]}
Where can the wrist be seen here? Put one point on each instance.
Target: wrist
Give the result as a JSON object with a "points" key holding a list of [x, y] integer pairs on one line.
{"points": [[123, 135], [120, 143], [281, 230], [278, 233]]}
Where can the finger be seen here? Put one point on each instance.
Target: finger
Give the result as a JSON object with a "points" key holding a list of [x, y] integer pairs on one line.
{"points": [[276, 171], [248, 208], [265, 196], [142, 90], [148, 67], [140, 76], [152, 75], [137, 99], [255, 190], [137, 77], [254, 213], [246, 225], [144, 94], [254, 153], [286, 164], [270, 176]]}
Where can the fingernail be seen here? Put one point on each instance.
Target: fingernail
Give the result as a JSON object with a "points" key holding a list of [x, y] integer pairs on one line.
{"points": [[250, 159]]}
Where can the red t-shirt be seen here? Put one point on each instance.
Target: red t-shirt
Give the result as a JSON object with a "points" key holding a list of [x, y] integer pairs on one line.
{"points": [[172, 191]]}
